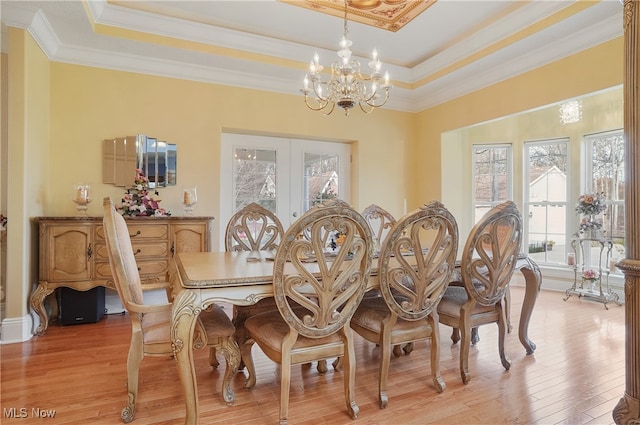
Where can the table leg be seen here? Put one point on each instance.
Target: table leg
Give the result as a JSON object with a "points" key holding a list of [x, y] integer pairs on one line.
{"points": [[533, 281], [186, 308]]}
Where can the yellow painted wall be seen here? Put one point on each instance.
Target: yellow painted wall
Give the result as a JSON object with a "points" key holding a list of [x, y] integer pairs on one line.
{"points": [[90, 104], [28, 163]]}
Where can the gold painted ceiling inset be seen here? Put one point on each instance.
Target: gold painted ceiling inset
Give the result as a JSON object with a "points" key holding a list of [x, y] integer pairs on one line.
{"points": [[386, 14]]}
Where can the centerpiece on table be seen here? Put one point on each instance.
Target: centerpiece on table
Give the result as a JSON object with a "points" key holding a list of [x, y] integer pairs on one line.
{"points": [[590, 206], [139, 201]]}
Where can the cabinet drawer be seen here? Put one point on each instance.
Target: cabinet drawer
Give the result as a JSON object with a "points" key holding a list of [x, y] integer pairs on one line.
{"points": [[147, 268], [140, 250], [139, 231]]}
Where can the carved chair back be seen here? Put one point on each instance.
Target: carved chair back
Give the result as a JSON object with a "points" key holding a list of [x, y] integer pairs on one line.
{"points": [[253, 228], [329, 297], [412, 285], [490, 254], [380, 221]]}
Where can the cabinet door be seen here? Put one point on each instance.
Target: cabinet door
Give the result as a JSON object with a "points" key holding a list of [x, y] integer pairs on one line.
{"points": [[69, 251], [192, 237]]}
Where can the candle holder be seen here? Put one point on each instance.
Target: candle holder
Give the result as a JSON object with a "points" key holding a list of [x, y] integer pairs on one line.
{"points": [[189, 198], [82, 197]]}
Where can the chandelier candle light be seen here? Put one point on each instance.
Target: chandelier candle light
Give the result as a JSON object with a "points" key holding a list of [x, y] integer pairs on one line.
{"points": [[347, 87]]}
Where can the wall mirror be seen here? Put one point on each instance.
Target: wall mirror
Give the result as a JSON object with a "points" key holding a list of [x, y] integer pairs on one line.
{"points": [[122, 155]]}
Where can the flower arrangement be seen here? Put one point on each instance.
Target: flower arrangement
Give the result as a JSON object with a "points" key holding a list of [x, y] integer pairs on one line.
{"points": [[591, 204], [138, 201], [590, 275], [589, 224]]}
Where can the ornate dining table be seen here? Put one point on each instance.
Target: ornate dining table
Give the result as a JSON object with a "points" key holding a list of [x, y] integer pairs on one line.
{"points": [[201, 279]]}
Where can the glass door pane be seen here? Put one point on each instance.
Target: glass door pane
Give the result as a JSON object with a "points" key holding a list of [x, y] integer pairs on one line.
{"points": [[321, 178], [254, 178], [324, 168]]}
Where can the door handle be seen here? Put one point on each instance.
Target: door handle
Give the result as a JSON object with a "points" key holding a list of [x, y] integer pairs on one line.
{"points": [[295, 214]]}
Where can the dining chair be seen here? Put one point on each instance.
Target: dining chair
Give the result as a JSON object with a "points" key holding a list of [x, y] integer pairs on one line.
{"points": [[151, 324], [414, 268], [380, 221], [316, 290], [476, 295], [252, 228]]}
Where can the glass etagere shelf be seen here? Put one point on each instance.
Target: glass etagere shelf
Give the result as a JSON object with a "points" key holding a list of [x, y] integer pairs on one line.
{"points": [[596, 289]]}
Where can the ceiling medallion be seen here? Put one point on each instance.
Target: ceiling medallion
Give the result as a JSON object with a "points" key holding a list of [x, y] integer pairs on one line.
{"points": [[390, 15]]}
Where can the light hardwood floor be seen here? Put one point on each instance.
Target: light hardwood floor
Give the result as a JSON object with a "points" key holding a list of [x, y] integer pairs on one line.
{"points": [[576, 376]]}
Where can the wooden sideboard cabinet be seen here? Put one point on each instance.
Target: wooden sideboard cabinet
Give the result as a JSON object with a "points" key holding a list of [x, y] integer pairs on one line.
{"points": [[73, 252]]}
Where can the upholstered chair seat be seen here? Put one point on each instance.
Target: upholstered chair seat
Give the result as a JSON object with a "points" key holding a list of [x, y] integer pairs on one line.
{"points": [[455, 297]]}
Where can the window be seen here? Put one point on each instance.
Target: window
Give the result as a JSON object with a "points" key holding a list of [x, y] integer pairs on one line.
{"points": [[545, 201], [492, 177], [604, 171]]}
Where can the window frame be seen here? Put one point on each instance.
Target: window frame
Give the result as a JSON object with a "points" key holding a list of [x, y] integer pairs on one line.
{"points": [[527, 203], [475, 204]]}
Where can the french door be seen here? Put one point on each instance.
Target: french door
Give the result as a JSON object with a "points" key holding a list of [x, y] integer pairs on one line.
{"points": [[286, 176]]}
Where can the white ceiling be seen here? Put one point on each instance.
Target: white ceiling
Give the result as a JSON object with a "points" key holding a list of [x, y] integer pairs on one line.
{"points": [[451, 49]]}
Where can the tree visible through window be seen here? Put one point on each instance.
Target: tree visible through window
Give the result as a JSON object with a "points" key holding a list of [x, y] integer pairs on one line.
{"points": [[492, 176], [254, 177]]}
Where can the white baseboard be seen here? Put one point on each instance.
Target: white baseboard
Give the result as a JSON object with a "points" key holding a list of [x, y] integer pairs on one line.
{"points": [[17, 329], [112, 304]]}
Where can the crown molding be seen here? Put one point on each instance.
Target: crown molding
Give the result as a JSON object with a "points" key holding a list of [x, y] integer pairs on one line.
{"points": [[286, 79]]}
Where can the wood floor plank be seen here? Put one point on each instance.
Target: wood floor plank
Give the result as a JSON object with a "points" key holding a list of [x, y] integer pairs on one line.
{"points": [[576, 376]]}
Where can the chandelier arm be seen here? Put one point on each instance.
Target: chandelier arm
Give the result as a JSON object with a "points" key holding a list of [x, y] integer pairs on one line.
{"points": [[362, 108], [371, 101], [320, 107], [318, 95], [333, 105]]}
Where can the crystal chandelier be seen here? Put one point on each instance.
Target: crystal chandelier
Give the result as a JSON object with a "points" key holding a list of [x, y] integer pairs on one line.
{"points": [[571, 112], [346, 87]]}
